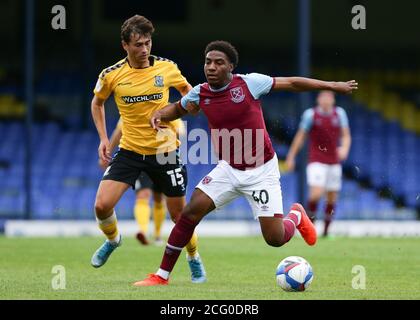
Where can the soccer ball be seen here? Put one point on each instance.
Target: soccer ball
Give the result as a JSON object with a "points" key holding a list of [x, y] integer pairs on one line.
{"points": [[294, 274]]}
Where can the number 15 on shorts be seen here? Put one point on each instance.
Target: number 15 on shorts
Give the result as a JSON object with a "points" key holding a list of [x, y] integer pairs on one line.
{"points": [[176, 177]]}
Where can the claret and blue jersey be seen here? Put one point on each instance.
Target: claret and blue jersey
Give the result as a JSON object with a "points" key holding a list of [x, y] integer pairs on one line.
{"points": [[237, 107], [324, 129]]}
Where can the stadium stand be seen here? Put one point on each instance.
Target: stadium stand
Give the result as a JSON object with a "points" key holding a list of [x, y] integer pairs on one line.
{"points": [[381, 172]]}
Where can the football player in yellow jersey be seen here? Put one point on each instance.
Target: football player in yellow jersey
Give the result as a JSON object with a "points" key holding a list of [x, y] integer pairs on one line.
{"points": [[140, 84], [145, 189]]}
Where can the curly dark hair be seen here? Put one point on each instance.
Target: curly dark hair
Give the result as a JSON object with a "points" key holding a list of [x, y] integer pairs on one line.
{"points": [[136, 24], [225, 47]]}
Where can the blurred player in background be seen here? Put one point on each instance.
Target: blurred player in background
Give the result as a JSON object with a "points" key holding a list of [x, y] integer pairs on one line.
{"points": [[144, 190], [140, 84], [247, 166], [326, 125]]}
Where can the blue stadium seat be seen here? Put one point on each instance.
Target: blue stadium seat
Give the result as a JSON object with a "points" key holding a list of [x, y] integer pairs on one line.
{"points": [[65, 164], [368, 204]]}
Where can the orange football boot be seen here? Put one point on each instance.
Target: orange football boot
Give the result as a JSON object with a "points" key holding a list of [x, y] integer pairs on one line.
{"points": [[305, 227], [151, 280]]}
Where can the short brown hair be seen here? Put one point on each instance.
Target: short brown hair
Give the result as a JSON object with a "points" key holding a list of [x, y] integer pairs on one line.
{"points": [[227, 48], [136, 24]]}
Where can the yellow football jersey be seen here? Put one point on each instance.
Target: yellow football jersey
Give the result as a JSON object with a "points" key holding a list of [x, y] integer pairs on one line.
{"points": [[138, 93], [178, 125]]}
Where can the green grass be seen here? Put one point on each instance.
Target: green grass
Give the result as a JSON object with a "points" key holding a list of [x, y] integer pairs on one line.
{"points": [[237, 268]]}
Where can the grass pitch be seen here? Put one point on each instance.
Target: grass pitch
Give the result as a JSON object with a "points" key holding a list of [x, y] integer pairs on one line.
{"points": [[237, 268]]}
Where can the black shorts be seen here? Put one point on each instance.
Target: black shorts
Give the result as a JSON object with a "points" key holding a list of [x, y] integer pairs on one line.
{"points": [[170, 178], [144, 182]]}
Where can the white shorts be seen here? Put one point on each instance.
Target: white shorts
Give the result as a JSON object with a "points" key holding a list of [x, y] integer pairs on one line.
{"points": [[323, 175], [260, 186]]}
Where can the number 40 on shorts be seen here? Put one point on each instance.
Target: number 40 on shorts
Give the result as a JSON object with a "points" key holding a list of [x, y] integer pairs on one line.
{"points": [[260, 196]]}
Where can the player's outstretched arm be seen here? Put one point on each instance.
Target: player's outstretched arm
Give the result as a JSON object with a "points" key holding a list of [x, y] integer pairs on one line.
{"points": [[299, 84], [170, 112]]}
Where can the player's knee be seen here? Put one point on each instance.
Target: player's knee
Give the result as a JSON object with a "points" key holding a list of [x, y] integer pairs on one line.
{"points": [[315, 198], [102, 207], [191, 214], [175, 207], [274, 241], [143, 194], [175, 214], [316, 195], [331, 199]]}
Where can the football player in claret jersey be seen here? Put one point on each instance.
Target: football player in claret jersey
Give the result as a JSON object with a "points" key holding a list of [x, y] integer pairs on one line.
{"points": [[140, 84], [326, 125], [248, 165]]}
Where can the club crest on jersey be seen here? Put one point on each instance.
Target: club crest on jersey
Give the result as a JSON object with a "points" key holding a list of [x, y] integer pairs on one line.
{"points": [[158, 81], [206, 180], [237, 95]]}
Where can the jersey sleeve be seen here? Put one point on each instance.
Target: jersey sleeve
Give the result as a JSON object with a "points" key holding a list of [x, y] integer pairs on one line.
{"points": [[192, 96], [178, 81], [103, 88], [307, 120], [342, 116], [258, 84]]}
